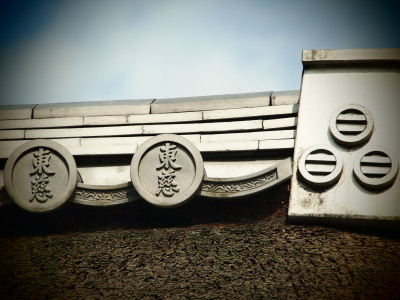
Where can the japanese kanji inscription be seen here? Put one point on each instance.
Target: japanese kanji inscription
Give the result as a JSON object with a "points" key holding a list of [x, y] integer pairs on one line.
{"points": [[166, 180], [41, 191], [167, 170], [41, 176]]}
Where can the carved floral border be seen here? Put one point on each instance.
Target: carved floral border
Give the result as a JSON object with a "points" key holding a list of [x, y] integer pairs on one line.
{"points": [[241, 186], [105, 197]]}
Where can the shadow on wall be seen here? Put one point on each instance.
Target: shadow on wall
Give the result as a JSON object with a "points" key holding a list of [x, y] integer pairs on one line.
{"points": [[73, 217]]}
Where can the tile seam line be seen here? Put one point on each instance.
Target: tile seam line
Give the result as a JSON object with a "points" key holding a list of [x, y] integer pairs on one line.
{"points": [[33, 109], [270, 99], [151, 106]]}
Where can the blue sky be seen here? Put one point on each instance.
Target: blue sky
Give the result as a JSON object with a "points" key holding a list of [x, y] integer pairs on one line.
{"points": [[64, 51]]}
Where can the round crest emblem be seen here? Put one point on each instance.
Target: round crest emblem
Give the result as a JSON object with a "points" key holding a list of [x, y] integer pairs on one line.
{"points": [[320, 165], [351, 125], [167, 170], [40, 175], [376, 167]]}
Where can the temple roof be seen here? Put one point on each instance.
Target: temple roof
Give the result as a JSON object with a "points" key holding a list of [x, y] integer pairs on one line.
{"points": [[237, 122]]}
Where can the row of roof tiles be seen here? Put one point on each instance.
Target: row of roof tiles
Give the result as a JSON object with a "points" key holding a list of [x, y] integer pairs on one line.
{"points": [[147, 106]]}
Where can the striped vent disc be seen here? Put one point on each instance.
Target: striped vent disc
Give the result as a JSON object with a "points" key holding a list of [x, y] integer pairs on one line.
{"points": [[320, 162], [351, 122], [375, 164]]}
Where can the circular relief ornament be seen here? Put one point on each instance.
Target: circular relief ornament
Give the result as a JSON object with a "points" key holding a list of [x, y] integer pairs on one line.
{"points": [[40, 176], [375, 167], [167, 170], [351, 124], [320, 165]]}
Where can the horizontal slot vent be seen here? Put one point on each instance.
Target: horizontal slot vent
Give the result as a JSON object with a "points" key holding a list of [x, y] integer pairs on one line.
{"points": [[320, 163], [375, 165], [351, 122]]}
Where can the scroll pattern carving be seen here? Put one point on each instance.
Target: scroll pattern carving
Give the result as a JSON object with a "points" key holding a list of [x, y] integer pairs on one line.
{"points": [[105, 197], [234, 187], [41, 192]]}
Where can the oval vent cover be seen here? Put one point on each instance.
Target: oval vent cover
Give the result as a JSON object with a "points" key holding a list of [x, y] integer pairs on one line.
{"points": [[351, 124]]}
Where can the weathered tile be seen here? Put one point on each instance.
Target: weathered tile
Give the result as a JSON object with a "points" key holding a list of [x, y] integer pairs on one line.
{"points": [[136, 140], [249, 136], [276, 144], [102, 141], [250, 112], [105, 175], [279, 123], [203, 127], [12, 134], [345, 56], [15, 112], [210, 102], [69, 142], [7, 147], [228, 146], [104, 120], [83, 132], [166, 118], [285, 97], [41, 123], [103, 150], [94, 108], [240, 166]]}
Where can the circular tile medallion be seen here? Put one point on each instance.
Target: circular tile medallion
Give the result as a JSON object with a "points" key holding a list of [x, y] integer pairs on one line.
{"points": [[40, 175], [375, 167], [351, 124], [320, 165], [167, 170]]}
